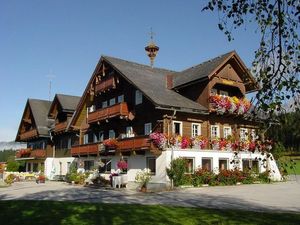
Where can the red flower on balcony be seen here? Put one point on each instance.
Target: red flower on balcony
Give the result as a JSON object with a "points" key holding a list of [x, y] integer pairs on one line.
{"points": [[110, 143]]}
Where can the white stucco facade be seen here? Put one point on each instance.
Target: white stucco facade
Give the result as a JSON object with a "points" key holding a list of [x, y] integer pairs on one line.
{"points": [[139, 162], [57, 166]]}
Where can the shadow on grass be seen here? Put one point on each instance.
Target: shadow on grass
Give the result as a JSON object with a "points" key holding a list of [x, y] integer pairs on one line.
{"points": [[50, 212]]}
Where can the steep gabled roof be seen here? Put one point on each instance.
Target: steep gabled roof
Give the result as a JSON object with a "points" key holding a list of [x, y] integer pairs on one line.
{"points": [[39, 109], [200, 71], [206, 69], [152, 82], [68, 103]]}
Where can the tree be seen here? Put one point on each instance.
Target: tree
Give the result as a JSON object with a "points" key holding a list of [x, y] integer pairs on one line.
{"points": [[277, 60]]}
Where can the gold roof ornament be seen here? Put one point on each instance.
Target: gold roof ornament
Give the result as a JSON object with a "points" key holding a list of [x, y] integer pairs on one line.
{"points": [[151, 49]]}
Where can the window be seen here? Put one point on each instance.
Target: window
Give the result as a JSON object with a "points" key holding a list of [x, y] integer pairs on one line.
{"points": [[243, 134], [111, 134], [189, 166], [98, 136], [246, 164], [28, 167], [213, 91], [138, 97], [253, 135], [85, 138], [226, 131], [69, 143], [196, 129], [224, 93], [255, 166], [223, 164], [151, 164], [215, 132], [120, 98], [112, 101], [35, 167], [104, 104], [88, 164], [68, 167], [207, 164], [177, 127], [106, 168], [129, 132], [147, 128]]}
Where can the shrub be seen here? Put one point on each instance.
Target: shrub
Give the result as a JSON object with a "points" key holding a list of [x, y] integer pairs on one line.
{"points": [[187, 179], [143, 177], [203, 176], [264, 177], [12, 166], [176, 171]]}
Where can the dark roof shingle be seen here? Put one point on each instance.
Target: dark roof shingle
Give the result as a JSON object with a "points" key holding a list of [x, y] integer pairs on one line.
{"points": [[151, 81], [68, 102], [40, 110], [198, 72]]}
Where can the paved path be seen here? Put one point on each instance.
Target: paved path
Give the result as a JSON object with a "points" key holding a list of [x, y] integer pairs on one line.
{"points": [[257, 197]]}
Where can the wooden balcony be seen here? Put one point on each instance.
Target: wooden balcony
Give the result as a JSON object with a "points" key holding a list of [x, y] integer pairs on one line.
{"points": [[85, 149], [38, 153], [59, 127], [105, 85], [28, 134], [135, 143], [120, 109], [29, 153]]}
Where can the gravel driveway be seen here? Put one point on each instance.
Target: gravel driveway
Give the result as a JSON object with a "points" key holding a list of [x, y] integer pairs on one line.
{"points": [[283, 196]]}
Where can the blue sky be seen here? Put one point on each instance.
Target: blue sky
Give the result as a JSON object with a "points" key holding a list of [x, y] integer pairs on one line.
{"points": [[66, 39]]}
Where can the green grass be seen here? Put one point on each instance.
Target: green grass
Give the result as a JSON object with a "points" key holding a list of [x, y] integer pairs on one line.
{"points": [[49, 212], [296, 169], [291, 169]]}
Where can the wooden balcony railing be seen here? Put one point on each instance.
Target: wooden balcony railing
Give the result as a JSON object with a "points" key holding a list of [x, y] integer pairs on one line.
{"points": [[120, 109], [105, 85], [28, 134], [85, 149], [135, 143], [29, 153], [60, 126], [38, 153]]}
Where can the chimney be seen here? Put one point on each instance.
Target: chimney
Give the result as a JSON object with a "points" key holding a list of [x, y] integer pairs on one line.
{"points": [[169, 81]]}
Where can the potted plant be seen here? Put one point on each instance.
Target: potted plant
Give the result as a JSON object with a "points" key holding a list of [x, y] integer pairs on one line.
{"points": [[143, 177], [122, 165], [41, 178]]}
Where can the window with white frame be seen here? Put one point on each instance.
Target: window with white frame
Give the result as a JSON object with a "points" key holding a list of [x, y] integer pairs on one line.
{"points": [[120, 98], [213, 91], [147, 128], [104, 104], [207, 164], [98, 136], [138, 97], [151, 165], [129, 132], [88, 165], [189, 166], [85, 138], [111, 134], [112, 101], [226, 131], [214, 131], [196, 129], [253, 135], [243, 134], [224, 93], [177, 127], [223, 164]]}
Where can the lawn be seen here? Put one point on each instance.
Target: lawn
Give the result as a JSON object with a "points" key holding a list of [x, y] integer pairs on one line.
{"points": [[296, 162], [49, 212]]}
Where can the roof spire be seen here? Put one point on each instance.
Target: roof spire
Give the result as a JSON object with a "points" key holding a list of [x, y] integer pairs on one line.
{"points": [[151, 48]]}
